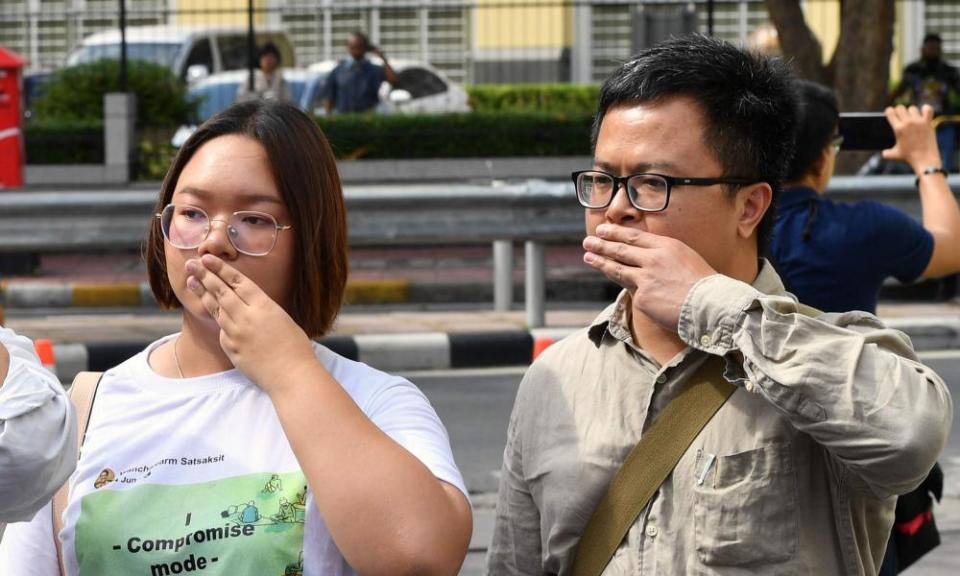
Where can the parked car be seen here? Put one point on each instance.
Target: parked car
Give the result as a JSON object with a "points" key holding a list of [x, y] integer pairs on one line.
{"points": [[420, 89], [216, 92], [191, 52]]}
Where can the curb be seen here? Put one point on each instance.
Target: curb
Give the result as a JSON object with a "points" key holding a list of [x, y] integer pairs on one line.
{"points": [[388, 352], [444, 351]]}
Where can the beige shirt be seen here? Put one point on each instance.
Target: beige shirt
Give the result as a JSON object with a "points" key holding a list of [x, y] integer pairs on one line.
{"points": [[272, 87], [794, 475]]}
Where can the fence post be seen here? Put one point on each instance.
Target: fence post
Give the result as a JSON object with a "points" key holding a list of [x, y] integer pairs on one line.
{"points": [[502, 275], [582, 57], [535, 284], [119, 135]]}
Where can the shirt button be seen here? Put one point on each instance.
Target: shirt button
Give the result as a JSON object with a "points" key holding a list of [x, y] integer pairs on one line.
{"points": [[652, 531], [661, 378], [706, 340]]}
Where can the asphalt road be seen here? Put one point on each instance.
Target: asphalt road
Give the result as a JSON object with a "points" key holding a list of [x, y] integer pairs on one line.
{"points": [[475, 407]]}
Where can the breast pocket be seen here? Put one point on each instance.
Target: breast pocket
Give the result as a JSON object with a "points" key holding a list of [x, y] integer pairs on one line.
{"points": [[745, 507]]}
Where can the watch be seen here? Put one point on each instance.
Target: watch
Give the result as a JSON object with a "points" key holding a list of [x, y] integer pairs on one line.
{"points": [[931, 170]]}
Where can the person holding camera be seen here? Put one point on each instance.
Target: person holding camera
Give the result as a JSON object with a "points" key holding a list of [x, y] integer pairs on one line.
{"points": [[38, 442], [835, 256], [354, 85]]}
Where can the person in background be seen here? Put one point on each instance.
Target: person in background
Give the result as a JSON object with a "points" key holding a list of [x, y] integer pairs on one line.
{"points": [[354, 85], [38, 434], [268, 82], [934, 82], [836, 256]]}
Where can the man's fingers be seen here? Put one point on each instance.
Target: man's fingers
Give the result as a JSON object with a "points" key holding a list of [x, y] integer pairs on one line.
{"points": [[632, 236], [612, 269]]}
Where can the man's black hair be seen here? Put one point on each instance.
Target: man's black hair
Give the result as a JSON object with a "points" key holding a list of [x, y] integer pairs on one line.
{"points": [[932, 37], [270, 48], [747, 101], [816, 127]]}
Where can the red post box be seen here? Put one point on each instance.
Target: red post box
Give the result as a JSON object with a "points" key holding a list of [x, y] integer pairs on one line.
{"points": [[11, 138]]}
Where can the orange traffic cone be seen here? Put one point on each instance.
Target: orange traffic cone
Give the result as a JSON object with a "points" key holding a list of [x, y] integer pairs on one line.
{"points": [[44, 350], [541, 344]]}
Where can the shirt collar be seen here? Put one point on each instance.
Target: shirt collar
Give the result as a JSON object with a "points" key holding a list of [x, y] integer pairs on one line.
{"points": [[615, 318], [795, 195]]}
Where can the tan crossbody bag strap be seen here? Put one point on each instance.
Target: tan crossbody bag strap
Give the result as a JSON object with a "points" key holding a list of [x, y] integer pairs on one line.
{"points": [[82, 393], [648, 465]]}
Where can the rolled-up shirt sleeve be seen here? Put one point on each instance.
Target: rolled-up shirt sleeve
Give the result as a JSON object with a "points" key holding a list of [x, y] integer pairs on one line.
{"points": [[38, 437], [854, 385]]}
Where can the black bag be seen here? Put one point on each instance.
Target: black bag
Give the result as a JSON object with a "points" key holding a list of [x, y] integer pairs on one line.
{"points": [[914, 529]]}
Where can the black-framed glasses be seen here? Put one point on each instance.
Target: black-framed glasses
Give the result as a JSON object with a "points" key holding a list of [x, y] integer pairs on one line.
{"points": [[647, 191], [251, 233]]}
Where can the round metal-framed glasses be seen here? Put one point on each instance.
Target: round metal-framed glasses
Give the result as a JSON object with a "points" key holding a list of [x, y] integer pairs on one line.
{"points": [[251, 233]]}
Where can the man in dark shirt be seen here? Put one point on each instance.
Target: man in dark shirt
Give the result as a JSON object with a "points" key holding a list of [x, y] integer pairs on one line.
{"points": [[354, 84], [932, 81]]}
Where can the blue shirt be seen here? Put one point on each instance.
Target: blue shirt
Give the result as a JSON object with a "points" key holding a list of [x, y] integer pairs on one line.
{"points": [[835, 256], [354, 86]]}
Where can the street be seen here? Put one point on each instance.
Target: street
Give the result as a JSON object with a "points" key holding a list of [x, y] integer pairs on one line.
{"points": [[475, 407]]}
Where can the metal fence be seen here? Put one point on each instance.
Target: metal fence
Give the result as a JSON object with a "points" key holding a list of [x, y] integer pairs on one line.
{"points": [[472, 41]]}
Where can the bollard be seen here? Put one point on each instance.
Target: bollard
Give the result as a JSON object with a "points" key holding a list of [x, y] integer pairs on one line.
{"points": [[535, 289], [502, 275]]}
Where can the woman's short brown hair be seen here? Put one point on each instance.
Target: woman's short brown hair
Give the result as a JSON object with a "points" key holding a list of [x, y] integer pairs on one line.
{"points": [[305, 171]]}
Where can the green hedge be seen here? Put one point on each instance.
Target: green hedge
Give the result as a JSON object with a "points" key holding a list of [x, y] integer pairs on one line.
{"points": [[554, 98], [64, 142], [472, 135], [75, 94]]}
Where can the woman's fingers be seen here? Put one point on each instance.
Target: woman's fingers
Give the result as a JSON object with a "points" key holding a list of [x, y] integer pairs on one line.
{"points": [[245, 288]]}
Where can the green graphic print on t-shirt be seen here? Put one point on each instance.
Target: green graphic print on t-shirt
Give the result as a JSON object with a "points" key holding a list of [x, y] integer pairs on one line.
{"points": [[249, 524]]}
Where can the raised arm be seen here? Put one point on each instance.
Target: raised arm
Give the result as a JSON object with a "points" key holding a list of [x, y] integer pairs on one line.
{"points": [[917, 145]]}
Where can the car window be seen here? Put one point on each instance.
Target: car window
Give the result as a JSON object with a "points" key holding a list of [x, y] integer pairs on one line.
{"points": [[233, 51], [420, 82], [201, 54], [159, 53], [213, 98]]}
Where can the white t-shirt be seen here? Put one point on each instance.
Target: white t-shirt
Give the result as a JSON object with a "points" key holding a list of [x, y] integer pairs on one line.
{"points": [[38, 439], [196, 475]]}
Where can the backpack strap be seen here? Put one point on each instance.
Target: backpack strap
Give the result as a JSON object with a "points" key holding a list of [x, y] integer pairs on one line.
{"points": [[82, 393]]}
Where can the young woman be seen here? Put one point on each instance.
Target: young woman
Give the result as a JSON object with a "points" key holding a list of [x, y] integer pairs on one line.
{"points": [[239, 446]]}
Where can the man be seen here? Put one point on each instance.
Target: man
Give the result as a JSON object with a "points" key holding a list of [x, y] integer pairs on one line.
{"points": [[836, 256], [797, 472], [268, 82], [354, 85], [38, 436], [932, 81]]}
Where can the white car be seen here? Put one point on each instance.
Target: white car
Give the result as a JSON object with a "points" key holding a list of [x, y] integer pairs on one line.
{"points": [[420, 89], [220, 91], [191, 52]]}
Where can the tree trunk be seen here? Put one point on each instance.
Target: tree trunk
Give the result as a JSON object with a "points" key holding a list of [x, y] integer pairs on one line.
{"points": [[798, 43], [862, 59]]}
